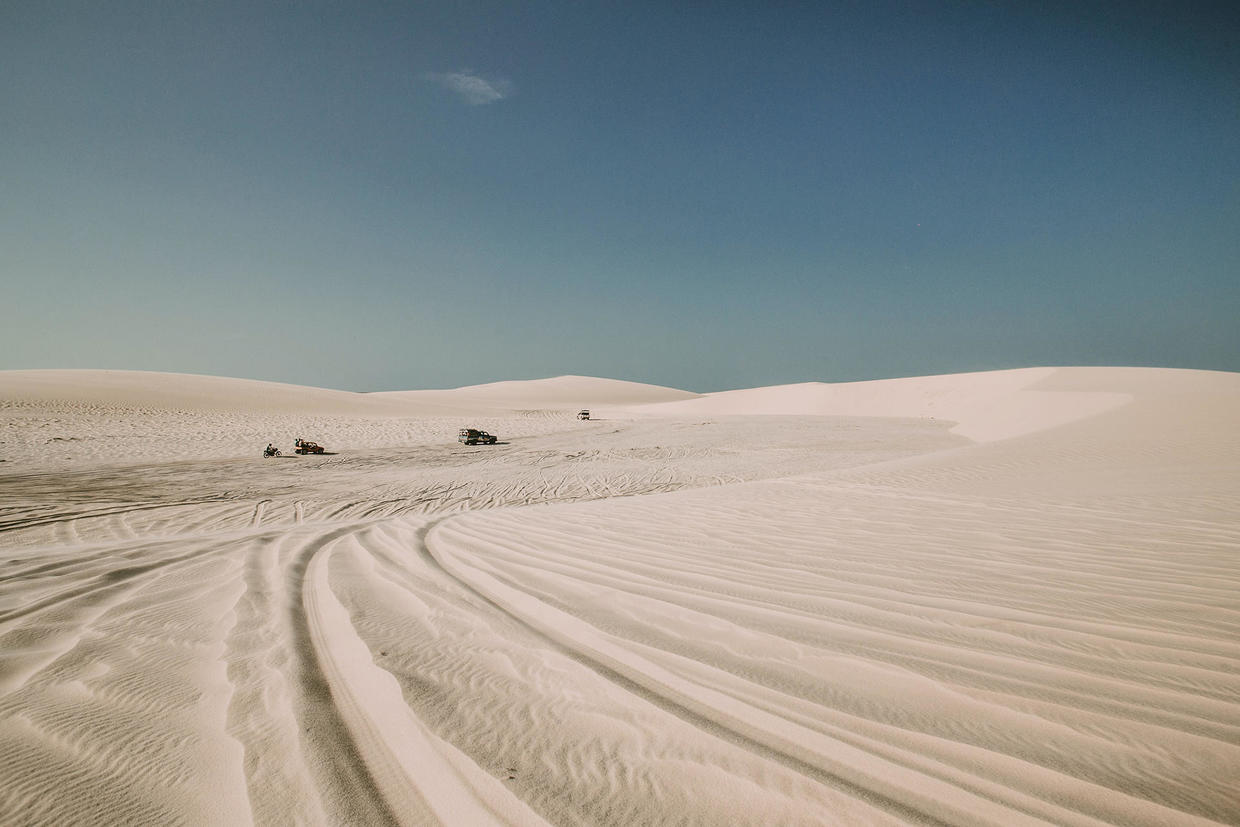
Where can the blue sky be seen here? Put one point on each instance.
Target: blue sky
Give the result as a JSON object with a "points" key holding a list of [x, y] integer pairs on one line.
{"points": [[377, 196]]}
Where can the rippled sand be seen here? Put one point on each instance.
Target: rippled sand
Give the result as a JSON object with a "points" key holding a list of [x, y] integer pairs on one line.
{"points": [[701, 610]]}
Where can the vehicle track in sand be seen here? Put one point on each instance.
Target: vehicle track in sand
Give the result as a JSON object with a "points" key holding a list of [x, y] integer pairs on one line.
{"points": [[1091, 639], [389, 637], [271, 572]]}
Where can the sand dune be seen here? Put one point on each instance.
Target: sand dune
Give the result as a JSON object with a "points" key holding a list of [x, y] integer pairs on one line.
{"points": [[76, 418], [141, 390], [1004, 598], [559, 393], [983, 406]]}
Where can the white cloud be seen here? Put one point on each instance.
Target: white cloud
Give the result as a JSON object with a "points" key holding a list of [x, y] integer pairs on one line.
{"points": [[473, 88]]}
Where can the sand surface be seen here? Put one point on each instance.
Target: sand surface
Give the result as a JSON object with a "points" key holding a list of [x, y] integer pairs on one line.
{"points": [[999, 598]]}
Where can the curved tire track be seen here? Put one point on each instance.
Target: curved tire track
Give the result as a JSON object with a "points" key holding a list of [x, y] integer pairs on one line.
{"points": [[910, 792], [420, 778]]}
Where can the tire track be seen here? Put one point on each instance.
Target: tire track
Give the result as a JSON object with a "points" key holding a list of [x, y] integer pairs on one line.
{"points": [[346, 787], [293, 647], [645, 682], [421, 778], [112, 580], [260, 714], [19, 524], [259, 509]]}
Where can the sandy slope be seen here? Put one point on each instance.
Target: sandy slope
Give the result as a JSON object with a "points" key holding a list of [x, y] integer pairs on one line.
{"points": [[815, 618], [561, 393], [75, 418], [983, 406]]}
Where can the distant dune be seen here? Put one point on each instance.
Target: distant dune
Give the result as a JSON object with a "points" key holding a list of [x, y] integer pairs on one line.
{"points": [[182, 391], [560, 392], [984, 406], [169, 391]]}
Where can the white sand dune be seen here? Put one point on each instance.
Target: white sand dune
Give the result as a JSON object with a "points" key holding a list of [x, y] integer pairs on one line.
{"points": [[998, 598], [984, 406], [142, 390], [567, 393], [75, 418]]}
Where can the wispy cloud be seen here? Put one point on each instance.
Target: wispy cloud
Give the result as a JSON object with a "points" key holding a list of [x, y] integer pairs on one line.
{"points": [[472, 88]]}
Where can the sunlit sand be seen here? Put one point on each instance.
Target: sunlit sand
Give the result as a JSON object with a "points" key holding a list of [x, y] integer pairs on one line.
{"points": [[995, 598]]}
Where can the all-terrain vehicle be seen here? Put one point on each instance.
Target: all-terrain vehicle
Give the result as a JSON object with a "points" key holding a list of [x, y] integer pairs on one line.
{"points": [[305, 446], [473, 436], [583, 414]]}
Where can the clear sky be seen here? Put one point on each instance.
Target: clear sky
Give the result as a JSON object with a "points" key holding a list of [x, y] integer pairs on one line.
{"points": [[708, 195]]}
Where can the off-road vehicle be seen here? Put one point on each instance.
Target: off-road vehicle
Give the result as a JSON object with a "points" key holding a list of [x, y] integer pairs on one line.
{"points": [[473, 436]]}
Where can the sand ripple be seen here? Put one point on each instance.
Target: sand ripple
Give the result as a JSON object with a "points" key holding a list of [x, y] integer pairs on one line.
{"points": [[807, 620]]}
